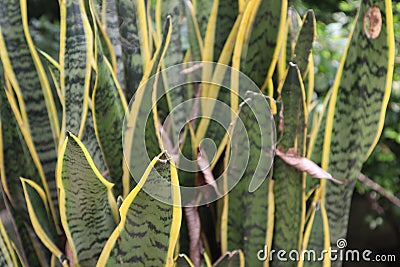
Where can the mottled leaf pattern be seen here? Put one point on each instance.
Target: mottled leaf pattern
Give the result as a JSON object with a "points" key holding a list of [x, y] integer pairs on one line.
{"points": [[262, 43], [75, 59], [87, 205], [356, 111], [304, 43], [33, 102], [288, 181], [131, 57], [148, 231], [41, 218], [109, 112], [249, 233]]}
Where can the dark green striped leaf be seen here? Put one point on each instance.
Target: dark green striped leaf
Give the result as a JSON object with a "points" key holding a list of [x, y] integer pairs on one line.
{"points": [[148, 231], [230, 259], [249, 232], [258, 53], [304, 43], [139, 121], [111, 25], [195, 40], [228, 10], [75, 61], [174, 53], [357, 107], [14, 153], [288, 191], [41, 218], [131, 57], [36, 101], [202, 9], [87, 206], [91, 144], [109, 114]]}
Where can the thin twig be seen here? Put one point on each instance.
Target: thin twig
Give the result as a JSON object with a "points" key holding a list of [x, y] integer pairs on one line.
{"points": [[365, 180]]}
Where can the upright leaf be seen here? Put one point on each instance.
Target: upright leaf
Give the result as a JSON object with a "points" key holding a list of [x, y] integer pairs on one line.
{"points": [[260, 54], [109, 111], [36, 108], [149, 228], [141, 122], [250, 165], [40, 216], [87, 206], [7, 253], [202, 10], [304, 43], [76, 54], [357, 107], [111, 25], [288, 181], [227, 12], [129, 28]]}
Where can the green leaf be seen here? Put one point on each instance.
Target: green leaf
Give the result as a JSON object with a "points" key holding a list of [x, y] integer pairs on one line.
{"points": [[30, 249], [357, 107], [109, 111], [202, 10], [76, 54], [251, 153], [14, 153], [91, 144], [40, 216], [131, 56], [228, 10], [149, 228], [304, 43], [140, 121], [7, 253], [183, 261], [54, 68], [195, 41], [174, 53], [288, 185], [230, 259], [110, 32], [261, 52], [35, 110], [87, 206]]}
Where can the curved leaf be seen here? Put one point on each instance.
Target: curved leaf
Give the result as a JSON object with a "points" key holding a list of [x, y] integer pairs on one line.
{"points": [[87, 206], [41, 218], [7, 253], [149, 229], [34, 104], [109, 111], [139, 127], [260, 52]]}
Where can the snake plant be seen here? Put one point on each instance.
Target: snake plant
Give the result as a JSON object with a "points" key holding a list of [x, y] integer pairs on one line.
{"points": [[88, 181]]}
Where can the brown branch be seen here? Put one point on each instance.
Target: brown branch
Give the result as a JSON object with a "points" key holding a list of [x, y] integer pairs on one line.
{"points": [[365, 180]]}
